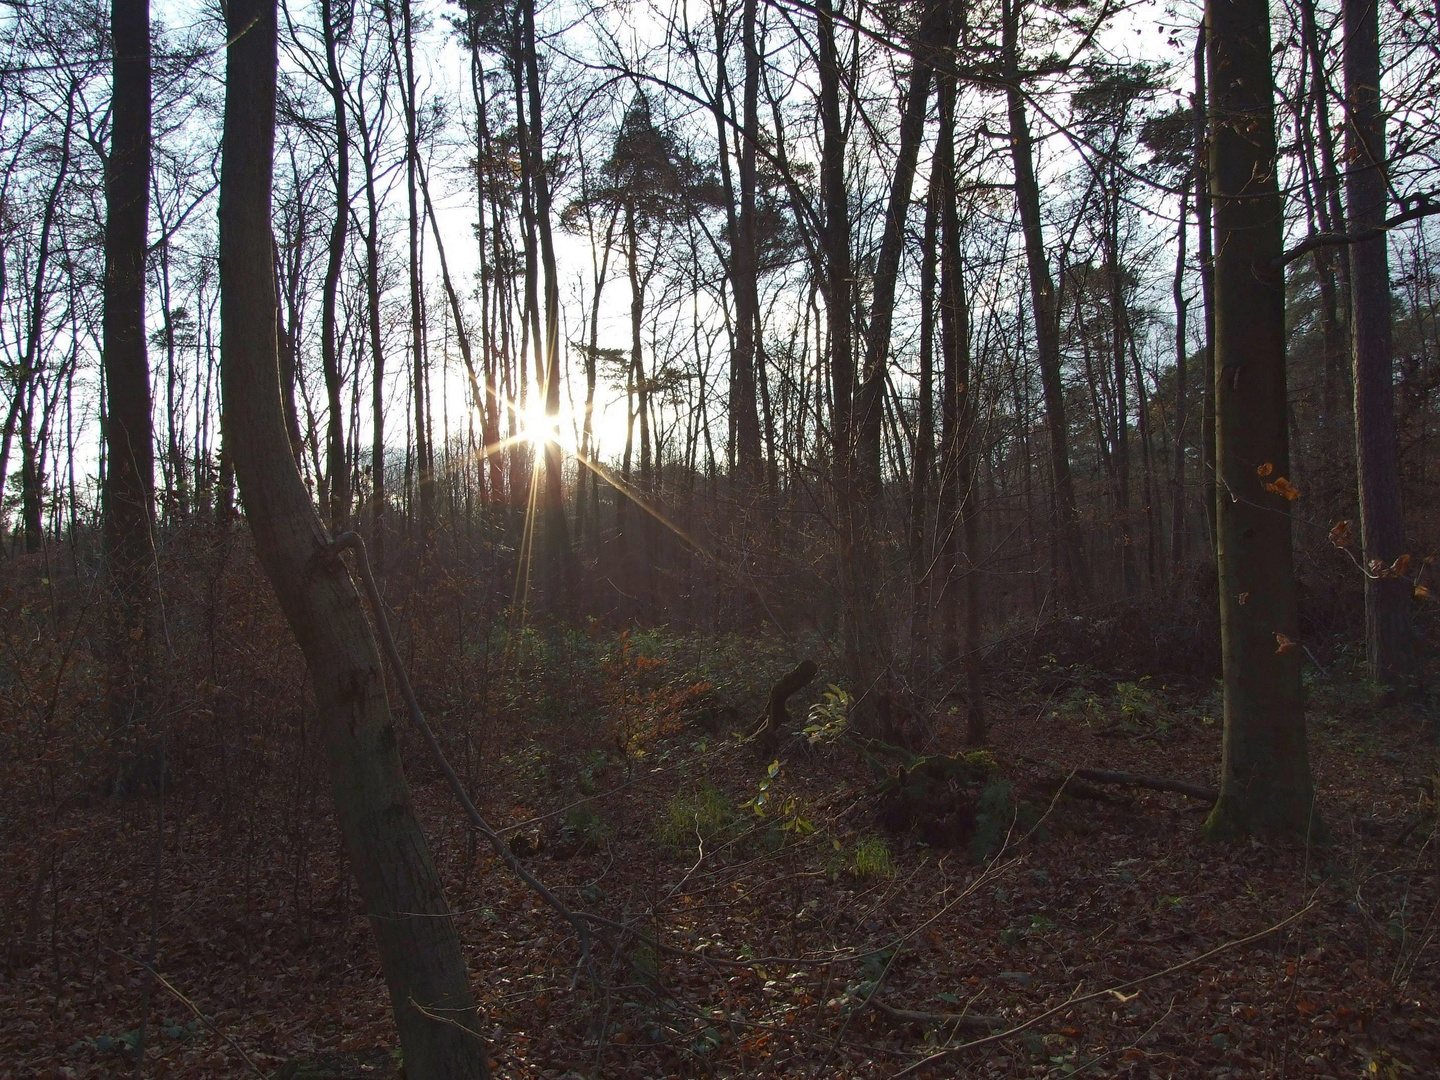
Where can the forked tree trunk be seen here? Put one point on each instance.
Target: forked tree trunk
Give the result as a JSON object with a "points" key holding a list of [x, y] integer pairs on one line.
{"points": [[1265, 780], [419, 948], [934, 30], [1389, 640]]}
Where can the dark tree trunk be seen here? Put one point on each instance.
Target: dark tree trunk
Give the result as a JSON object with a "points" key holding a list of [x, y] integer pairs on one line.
{"points": [[1389, 640], [424, 478], [1265, 779], [337, 468], [958, 514], [870, 402], [1047, 316], [743, 271], [377, 352], [419, 948], [1182, 400], [130, 454], [1209, 479], [923, 455], [559, 576]]}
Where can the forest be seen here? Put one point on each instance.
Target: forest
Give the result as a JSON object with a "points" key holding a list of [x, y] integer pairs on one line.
{"points": [[713, 538]]}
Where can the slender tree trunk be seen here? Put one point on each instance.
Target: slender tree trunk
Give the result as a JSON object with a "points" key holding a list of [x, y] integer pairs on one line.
{"points": [[130, 476], [743, 271], [860, 630], [1047, 319], [26, 378], [336, 466], [870, 400], [1116, 286], [425, 481], [1318, 148], [1389, 640], [1265, 785], [1209, 478], [559, 575], [924, 438], [377, 352], [1182, 401], [419, 949]]}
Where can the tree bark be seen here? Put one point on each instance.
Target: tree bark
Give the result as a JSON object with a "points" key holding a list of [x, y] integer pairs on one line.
{"points": [[424, 477], [1209, 479], [958, 513], [559, 576], [1047, 320], [870, 401], [419, 949], [744, 271], [130, 476], [336, 465], [1182, 399], [1265, 778], [1389, 640]]}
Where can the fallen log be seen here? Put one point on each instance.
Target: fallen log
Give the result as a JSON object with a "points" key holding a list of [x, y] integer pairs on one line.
{"points": [[974, 1021], [1179, 787]]}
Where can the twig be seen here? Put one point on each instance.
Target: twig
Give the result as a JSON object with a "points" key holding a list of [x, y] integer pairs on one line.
{"points": [[1080, 999], [1421, 206], [352, 541], [957, 1020], [191, 1006]]}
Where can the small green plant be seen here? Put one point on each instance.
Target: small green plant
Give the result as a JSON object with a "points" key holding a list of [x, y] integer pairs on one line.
{"points": [[829, 717], [871, 859], [700, 814], [994, 816], [583, 830]]}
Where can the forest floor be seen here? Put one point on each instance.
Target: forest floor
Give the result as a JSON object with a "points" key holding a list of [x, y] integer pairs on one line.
{"points": [[775, 926]]}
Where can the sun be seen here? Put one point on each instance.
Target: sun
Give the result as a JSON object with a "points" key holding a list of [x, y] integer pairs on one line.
{"points": [[539, 430]]}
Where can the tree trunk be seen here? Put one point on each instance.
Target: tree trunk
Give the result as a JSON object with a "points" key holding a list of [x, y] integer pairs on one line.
{"points": [[1389, 641], [559, 576], [923, 454], [1047, 320], [743, 271], [1265, 778], [870, 401], [958, 517], [419, 948], [336, 466], [1182, 400], [130, 476], [1209, 478], [377, 351], [424, 478]]}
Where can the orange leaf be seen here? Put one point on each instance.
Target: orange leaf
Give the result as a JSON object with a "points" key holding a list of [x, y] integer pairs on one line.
{"points": [[1281, 486], [1265, 470], [1284, 644], [1399, 566], [1340, 534], [1421, 591]]}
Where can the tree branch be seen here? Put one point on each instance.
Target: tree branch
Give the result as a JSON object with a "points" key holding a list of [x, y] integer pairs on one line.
{"points": [[1421, 206]]}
